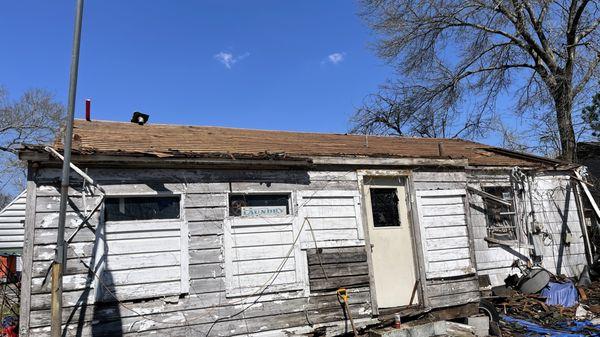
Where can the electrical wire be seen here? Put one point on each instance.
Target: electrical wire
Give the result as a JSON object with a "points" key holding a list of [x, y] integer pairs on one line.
{"points": [[260, 291]]}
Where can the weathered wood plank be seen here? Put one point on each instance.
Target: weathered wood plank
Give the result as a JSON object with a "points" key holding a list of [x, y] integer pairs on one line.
{"points": [[332, 211], [454, 299], [28, 253], [205, 227], [205, 242], [331, 235], [205, 214], [447, 288], [252, 253], [449, 254], [321, 309], [50, 220], [337, 255], [49, 204], [206, 270], [206, 256], [261, 239], [337, 270], [449, 243], [205, 200], [135, 246], [263, 266], [446, 232], [339, 282], [333, 223], [439, 176]]}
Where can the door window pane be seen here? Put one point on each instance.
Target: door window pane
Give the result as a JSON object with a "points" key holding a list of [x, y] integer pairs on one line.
{"points": [[141, 208], [384, 206]]}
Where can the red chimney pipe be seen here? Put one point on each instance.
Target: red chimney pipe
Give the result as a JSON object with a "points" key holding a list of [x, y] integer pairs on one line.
{"points": [[88, 110]]}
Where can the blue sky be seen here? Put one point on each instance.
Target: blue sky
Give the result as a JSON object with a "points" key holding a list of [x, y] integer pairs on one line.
{"points": [[302, 65]]}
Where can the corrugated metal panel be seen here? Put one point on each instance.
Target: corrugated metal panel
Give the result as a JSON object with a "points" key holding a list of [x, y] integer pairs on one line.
{"points": [[12, 222]]}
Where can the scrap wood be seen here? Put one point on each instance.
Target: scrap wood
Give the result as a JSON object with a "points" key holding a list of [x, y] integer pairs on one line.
{"points": [[558, 319]]}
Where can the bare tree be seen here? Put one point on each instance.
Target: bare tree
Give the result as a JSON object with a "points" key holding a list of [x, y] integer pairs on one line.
{"points": [[456, 58], [34, 118], [591, 115]]}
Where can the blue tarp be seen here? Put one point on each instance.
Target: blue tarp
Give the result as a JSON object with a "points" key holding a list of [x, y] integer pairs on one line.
{"points": [[563, 294], [563, 329]]}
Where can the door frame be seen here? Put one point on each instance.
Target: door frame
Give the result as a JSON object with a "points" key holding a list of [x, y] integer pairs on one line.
{"points": [[414, 225]]}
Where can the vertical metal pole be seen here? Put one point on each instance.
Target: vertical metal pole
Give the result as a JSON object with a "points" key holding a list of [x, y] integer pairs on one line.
{"points": [[60, 257]]}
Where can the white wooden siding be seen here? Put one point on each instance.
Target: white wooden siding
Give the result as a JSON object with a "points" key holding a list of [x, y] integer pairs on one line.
{"points": [[12, 220], [556, 211], [444, 233], [263, 255], [142, 258], [334, 216], [551, 195]]}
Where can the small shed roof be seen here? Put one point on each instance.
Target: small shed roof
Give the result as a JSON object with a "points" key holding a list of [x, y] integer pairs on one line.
{"points": [[160, 140]]}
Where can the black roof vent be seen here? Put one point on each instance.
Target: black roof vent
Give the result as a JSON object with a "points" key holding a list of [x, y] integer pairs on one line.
{"points": [[139, 118]]}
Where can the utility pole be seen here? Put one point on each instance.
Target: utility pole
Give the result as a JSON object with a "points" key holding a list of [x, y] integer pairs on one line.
{"points": [[60, 258]]}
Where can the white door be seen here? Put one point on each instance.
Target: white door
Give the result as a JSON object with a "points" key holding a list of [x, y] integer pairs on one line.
{"points": [[391, 240]]}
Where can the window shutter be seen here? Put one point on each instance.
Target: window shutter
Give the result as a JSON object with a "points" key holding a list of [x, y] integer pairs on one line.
{"points": [[260, 256], [444, 233], [142, 259], [335, 218]]}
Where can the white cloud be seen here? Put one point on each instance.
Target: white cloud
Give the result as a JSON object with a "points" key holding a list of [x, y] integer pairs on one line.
{"points": [[228, 59], [336, 58]]}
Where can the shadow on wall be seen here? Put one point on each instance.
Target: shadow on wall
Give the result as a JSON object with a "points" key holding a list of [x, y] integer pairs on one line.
{"points": [[99, 286], [565, 231]]}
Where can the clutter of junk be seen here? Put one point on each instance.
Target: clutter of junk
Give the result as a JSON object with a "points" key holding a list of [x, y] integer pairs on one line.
{"points": [[9, 292]]}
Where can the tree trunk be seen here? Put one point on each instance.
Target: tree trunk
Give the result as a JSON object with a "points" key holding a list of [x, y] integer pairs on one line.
{"points": [[564, 105]]}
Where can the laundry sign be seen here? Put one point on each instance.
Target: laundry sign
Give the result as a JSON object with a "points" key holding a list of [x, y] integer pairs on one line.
{"points": [[264, 211]]}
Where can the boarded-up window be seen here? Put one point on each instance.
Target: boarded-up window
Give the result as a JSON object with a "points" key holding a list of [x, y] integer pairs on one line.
{"points": [[444, 233], [262, 255], [333, 218], [144, 257]]}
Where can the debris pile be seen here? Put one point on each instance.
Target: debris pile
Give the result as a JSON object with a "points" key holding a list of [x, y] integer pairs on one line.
{"points": [[532, 315]]}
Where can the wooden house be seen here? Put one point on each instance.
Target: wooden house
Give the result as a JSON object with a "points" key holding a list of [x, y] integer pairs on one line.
{"points": [[209, 231], [12, 223], [12, 228]]}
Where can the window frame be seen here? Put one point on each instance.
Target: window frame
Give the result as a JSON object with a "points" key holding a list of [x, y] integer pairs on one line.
{"points": [[408, 207], [514, 223], [184, 276], [146, 195], [382, 187], [301, 264], [292, 205]]}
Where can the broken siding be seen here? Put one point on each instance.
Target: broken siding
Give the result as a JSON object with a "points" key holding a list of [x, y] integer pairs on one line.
{"points": [[12, 221], [492, 260], [332, 268], [450, 278], [207, 307], [551, 194], [556, 211]]}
